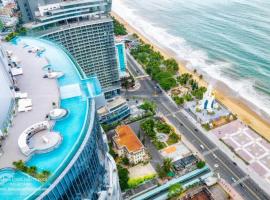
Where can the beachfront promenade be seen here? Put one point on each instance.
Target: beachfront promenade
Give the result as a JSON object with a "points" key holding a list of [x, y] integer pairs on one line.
{"points": [[236, 106], [227, 169], [42, 92]]}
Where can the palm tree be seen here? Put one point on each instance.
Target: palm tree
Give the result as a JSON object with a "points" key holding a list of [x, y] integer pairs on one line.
{"points": [[32, 170], [167, 165], [19, 165], [160, 171], [46, 173], [43, 176]]}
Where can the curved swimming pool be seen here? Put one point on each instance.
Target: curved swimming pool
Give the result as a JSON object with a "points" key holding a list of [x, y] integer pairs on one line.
{"points": [[18, 185]]}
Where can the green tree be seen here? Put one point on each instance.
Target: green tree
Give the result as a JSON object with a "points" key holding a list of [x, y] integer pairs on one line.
{"points": [[163, 75], [20, 165], [188, 97], [153, 71], [171, 65], [173, 138], [179, 100], [167, 83], [44, 175], [148, 127], [142, 58], [163, 127], [199, 92], [160, 171], [125, 161], [175, 190], [200, 164], [119, 29], [135, 35], [149, 106], [32, 170], [112, 152], [1, 25], [167, 165], [123, 177], [159, 145]]}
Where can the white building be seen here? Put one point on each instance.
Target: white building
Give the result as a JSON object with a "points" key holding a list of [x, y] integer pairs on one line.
{"points": [[128, 144], [6, 93]]}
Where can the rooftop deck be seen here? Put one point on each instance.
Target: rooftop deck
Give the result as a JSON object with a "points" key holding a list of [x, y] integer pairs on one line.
{"points": [[42, 92], [73, 128], [111, 105]]}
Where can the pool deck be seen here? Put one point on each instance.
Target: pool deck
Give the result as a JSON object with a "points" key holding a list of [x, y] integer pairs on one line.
{"points": [[41, 90]]}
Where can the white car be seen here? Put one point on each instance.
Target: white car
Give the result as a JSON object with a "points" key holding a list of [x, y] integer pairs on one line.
{"points": [[233, 179]]}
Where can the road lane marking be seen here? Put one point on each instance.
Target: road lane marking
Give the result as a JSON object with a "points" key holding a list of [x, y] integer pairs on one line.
{"points": [[206, 145], [206, 153], [221, 161], [240, 180]]}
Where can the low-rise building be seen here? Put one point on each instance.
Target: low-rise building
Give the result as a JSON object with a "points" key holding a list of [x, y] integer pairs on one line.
{"points": [[201, 193], [115, 110], [185, 162], [8, 18], [128, 144]]}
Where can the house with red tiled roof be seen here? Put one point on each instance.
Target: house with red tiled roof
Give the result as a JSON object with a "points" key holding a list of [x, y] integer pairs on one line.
{"points": [[128, 144]]}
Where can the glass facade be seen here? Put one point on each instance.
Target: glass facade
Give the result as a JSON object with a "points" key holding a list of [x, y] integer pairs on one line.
{"points": [[6, 93], [85, 178], [115, 115], [84, 28], [92, 46], [81, 167]]}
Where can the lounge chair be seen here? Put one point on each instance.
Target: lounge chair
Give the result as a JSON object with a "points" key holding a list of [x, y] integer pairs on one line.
{"points": [[24, 109]]}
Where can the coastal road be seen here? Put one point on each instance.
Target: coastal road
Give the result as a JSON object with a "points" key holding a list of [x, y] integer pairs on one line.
{"points": [[227, 169]]}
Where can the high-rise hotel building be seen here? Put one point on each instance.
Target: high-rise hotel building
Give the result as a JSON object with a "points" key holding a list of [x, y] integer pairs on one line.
{"points": [[80, 165], [84, 28]]}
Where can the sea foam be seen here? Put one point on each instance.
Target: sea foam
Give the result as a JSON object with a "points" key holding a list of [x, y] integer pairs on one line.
{"points": [[213, 71]]}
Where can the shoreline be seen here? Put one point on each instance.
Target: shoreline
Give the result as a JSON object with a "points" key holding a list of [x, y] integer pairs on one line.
{"points": [[237, 105]]}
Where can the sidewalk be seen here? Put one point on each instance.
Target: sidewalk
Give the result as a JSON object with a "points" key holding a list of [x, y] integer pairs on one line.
{"points": [[129, 56], [230, 190], [240, 163], [221, 146], [183, 139]]}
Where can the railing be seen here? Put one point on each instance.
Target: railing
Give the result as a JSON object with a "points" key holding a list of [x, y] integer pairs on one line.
{"points": [[43, 190], [56, 28]]}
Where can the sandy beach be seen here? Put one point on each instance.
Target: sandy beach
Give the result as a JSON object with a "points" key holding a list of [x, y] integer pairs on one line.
{"points": [[235, 105]]}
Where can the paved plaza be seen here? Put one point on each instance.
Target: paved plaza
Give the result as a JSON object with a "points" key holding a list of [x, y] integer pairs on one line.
{"points": [[42, 92], [175, 151], [203, 116], [248, 145]]}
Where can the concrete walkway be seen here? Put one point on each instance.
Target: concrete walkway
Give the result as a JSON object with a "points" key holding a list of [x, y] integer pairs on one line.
{"points": [[253, 175], [42, 92]]}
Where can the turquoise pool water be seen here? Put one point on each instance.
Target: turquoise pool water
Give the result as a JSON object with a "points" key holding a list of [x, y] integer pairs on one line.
{"points": [[71, 128], [10, 189], [121, 58]]}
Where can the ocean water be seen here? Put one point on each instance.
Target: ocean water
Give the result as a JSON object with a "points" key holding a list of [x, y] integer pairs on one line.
{"points": [[228, 41]]}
